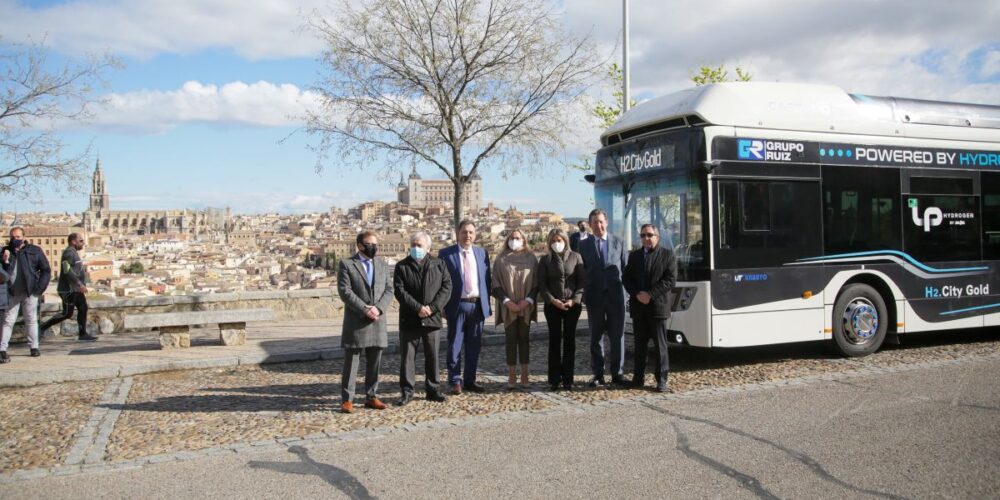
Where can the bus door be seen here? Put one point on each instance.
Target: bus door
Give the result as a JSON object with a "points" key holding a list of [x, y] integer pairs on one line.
{"points": [[763, 224]]}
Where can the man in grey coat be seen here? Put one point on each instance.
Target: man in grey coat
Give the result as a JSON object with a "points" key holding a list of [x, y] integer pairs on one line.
{"points": [[365, 286]]}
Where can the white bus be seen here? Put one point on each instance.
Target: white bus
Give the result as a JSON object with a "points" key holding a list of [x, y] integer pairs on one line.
{"points": [[801, 212]]}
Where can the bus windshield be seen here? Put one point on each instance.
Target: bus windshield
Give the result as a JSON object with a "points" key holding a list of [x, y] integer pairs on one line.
{"points": [[673, 204]]}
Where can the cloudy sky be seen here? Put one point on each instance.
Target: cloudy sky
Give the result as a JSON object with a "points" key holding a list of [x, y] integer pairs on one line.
{"points": [[204, 111]]}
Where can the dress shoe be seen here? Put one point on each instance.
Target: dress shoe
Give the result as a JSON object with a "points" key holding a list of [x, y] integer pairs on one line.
{"points": [[436, 397], [87, 338], [375, 404], [456, 389], [567, 387], [405, 400], [619, 380], [3, 357], [662, 387], [637, 381], [474, 388], [347, 407], [553, 387], [596, 382], [35, 353]]}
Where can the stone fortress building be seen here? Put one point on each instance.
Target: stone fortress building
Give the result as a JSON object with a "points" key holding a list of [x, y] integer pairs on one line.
{"points": [[439, 193], [99, 218]]}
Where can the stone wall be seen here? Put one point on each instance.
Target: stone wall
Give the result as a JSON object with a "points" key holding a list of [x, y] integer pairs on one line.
{"points": [[107, 316]]}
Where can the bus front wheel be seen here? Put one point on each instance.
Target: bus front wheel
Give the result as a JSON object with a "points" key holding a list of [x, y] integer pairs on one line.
{"points": [[860, 321]]}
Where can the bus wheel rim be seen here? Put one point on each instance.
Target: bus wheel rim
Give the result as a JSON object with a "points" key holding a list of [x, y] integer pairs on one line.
{"points": [[861, 321]]}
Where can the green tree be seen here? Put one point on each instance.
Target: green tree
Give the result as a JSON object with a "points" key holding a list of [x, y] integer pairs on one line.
{"points": [[708, 74], [606, 112], [134, 267], [609, 113]]}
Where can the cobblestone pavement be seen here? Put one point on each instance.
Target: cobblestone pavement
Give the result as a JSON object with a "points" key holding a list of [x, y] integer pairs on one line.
{"points": [[163, 413], [38, 426]]}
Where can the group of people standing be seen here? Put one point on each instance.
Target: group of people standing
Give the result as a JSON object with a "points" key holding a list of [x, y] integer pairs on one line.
{"points": [[586, 269]]}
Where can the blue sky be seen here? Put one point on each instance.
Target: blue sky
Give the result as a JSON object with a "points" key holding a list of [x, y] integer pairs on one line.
{"points": [[204, 111]]}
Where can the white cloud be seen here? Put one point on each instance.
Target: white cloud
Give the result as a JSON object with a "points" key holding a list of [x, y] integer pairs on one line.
{"points": [[143, 28], [991, 64], [861, 46], [259, 104]]}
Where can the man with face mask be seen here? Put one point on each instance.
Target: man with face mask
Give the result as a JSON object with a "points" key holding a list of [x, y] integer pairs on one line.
{"points": [[422, 287], [29, 277], [365, 286]]}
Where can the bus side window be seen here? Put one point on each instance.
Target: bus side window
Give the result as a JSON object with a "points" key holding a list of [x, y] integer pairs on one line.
{"points": [[729, 221], [764, 223], [991, 214]]}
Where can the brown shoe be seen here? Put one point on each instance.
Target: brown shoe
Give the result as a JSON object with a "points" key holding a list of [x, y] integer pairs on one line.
{"points": [[374, 404], [456, 389], [347, 407]]}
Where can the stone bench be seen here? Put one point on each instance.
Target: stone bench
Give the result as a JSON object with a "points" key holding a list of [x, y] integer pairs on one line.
{"points": [[175, 326]]}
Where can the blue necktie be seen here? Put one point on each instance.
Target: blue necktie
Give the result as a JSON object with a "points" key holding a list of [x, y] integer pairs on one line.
{"points": [[603, 244], [369, 272]]}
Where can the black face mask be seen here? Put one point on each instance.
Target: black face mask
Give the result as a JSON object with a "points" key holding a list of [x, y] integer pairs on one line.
{"points": [[369, 249], [15, 244]]}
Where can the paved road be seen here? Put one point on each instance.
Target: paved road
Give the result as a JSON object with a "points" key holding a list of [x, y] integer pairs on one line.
{"points": [[927, 432]]}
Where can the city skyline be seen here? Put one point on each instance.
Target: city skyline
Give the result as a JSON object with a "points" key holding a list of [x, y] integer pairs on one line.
{"points": [[205, 111]]}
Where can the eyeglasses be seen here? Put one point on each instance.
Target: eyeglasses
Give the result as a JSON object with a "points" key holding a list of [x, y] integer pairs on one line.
{"points": [[647, 235]]}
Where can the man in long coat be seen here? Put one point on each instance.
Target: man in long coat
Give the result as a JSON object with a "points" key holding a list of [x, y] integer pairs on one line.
{"points": [[365, 285]]}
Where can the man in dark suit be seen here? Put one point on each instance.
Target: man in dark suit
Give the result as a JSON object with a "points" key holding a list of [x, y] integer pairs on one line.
{"points": [[423, 287], [469, 306], [29, 273], [582, 234], [650, 275], [604, 258], [365, 286]]}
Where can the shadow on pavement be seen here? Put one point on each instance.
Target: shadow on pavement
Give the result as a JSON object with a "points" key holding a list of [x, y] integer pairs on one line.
{"points": [[333, 475]]}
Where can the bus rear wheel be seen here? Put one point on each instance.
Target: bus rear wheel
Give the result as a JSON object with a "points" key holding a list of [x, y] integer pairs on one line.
{"points": [[860, 321]]}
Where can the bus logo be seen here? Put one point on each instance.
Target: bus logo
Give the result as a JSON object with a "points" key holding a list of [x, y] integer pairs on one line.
{"points": [[750, 149], [932, 216]]}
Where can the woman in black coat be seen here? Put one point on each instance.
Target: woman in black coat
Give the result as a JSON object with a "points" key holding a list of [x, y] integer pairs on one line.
{"points": [[560, 285]]}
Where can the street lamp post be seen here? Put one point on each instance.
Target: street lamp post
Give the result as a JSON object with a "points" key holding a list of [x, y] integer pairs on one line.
{"points": [[625, 80]]}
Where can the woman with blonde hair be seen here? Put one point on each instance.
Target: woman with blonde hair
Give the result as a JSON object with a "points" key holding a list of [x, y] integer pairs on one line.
{"points": [[514, 288], [560, 285]]}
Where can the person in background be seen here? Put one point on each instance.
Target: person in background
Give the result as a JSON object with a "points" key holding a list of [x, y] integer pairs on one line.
{"points": [[365, 286], [29, 277], [582, 233], [422, 286], [560, 285], [469, 306], [4, 278], [650, 276], [515, 290], [72, 289]]}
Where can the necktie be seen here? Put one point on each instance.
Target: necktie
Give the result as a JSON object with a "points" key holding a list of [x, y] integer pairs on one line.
{"points": [[602, 244], [467, 272], [369, 273]]}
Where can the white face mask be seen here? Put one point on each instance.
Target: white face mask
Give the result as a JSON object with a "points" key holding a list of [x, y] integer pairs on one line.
{"points": [[558, 247], [515, 245]]}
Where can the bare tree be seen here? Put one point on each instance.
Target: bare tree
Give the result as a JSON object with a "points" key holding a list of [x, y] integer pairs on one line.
{"points": [[454, 83], [34, 100]]}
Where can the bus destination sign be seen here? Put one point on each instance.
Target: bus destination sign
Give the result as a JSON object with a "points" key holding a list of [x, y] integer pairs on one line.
{"points": [[635, 158]]}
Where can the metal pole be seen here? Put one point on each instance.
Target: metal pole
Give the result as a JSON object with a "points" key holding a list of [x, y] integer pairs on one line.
{"points": [[625, 80]]}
